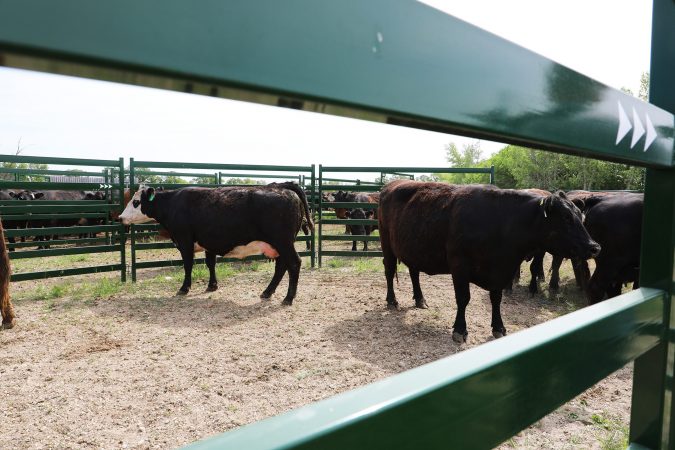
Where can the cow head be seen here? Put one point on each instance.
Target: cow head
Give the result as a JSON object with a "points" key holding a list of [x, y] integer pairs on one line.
{"points": [[97, 195], [26, 195], [565, 234], [357, 213], [138, 209]]}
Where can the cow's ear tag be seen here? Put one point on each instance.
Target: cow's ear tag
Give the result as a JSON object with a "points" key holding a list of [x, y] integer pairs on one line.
{"points": [[152, 197], [541, 203]]}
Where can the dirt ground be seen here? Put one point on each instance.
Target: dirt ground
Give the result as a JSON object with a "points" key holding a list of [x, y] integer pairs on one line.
{"points": [[100, 364]]}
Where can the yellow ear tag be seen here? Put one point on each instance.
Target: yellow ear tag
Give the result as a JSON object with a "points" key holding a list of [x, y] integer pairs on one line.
{"points": [[541, 203]]}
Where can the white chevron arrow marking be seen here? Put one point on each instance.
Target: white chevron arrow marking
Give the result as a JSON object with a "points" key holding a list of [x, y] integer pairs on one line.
{"points": [[624, 124], [651, 133], [638, 131]]}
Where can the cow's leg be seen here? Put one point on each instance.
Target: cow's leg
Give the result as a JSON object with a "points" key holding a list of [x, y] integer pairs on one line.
{"points": [[292, 261], [554, 282], [537, 266], [389, 261], [600, 283], [211, 264], [582, 273], [353, 246], [187, 252], [417, 289], [462, 297], [508, 290], [279, 271], [498, 329]]}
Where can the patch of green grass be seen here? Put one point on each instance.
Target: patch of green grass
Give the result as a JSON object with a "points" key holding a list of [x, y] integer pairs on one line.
{"points": [[58, 291], [75, 258], [106, 288], [337, 263], [613, 434], [368, 265]]}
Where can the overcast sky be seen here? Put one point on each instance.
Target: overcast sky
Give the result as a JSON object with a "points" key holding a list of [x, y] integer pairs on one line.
{"points": [[68, 117]]}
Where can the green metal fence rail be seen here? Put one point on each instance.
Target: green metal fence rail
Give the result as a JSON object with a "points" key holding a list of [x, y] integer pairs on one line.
{"points": [[360, 186], [37, 223], [143, 236], [396, 63]]}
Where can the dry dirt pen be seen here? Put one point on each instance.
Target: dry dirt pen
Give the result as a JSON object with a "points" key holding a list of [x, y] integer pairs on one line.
{"points": [[95, 363]]}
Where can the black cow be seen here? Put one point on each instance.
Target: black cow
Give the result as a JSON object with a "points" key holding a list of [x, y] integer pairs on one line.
{"points": [[357, 213], [477, 233], [236, 221], [615, 222], [15, 224]]}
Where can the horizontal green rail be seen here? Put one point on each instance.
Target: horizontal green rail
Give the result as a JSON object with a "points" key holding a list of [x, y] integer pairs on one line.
{"points": [[351, 188], [35, 207], [357, 182], [58, 161], [351, 253], [51, 186], [349, 221], [350, 205], [52, 202], [406, 169], [256, 175], [63, 242], [176, 174], [351, 237], [477, 398], [35, 216], [49, 172], [65, 272], [61, 230], [63, 251], [208, 166]]}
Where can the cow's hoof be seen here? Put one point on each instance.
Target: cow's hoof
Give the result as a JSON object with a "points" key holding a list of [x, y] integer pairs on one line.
{"points": [[182, 291], [421, 304], [393, 306], [499, 333], [212, 288], [266, 295], [287, 302], [8, 325], [553, 287], [460, 338]]}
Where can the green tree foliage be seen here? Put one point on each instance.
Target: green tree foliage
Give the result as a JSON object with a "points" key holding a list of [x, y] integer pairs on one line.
{"points": [[521, 167], [243, 181]]}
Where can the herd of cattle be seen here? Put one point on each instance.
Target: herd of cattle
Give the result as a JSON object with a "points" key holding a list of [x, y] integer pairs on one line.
{"points": [[479, 234], [49, 195]]}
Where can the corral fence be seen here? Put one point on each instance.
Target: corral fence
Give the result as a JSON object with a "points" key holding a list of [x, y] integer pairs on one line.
{"points": [[396, 63], [144, 236], [326, 215], [42, 227]]}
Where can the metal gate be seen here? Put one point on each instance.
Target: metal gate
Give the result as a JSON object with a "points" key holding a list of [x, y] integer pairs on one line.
{"points": [[39, 225]]}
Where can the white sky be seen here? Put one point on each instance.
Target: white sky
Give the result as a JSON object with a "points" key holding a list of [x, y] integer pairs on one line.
{"points": [[608, 40]]}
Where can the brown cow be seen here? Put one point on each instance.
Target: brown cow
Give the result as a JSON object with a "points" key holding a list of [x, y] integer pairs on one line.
{"points": [[5, 272], [477, 233]]}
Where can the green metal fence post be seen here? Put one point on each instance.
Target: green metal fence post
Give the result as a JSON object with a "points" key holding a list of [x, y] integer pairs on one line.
{"points": [[320, 208], [313, 200], [492, 174], [132, 229], [123, 238], [652, 413]]}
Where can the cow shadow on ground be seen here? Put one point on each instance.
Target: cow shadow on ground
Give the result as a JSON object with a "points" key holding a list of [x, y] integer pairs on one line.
{"points": [[393, 340]]}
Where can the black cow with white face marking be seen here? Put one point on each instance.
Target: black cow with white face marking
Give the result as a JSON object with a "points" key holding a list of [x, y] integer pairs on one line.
{"points": [[235, 221], [477, 233]]}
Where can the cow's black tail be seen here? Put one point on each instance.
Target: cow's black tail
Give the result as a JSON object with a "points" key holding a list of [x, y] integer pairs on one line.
{"points": [[296, 188]]}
